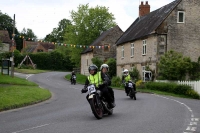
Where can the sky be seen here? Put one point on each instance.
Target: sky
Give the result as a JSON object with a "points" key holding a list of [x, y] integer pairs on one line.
{"points": [[43, 15]]}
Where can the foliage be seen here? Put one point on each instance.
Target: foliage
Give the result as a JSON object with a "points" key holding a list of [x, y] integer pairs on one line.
{"points": [[194, 71], [97, 61], [172, 88], [116, 81], [135, 74], [111, 62], [87, 25], [57, 35], [173, 66]]}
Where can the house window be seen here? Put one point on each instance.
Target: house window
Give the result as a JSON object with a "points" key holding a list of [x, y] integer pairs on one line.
{"points": [[143, 73], [106, 48], [132, 67], [181, 17], [122, 51], [144, 47], [132, 49]]}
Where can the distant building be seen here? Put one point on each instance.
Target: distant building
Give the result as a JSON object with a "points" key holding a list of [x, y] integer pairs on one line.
{"points": [[6, 42], [35, 47], [103, 47]]}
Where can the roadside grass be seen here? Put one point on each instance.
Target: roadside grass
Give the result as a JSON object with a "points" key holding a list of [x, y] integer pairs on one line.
{"points": [[17, 92], [5, 79], [81, 80], [15, 96], [30, 71]]}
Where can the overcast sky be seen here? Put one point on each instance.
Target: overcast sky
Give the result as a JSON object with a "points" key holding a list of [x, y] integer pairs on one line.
{"points": [[43, 15]]}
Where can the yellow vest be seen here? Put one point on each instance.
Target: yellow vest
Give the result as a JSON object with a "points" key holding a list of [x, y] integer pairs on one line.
{"points": [[127, 78], [95, 79]]}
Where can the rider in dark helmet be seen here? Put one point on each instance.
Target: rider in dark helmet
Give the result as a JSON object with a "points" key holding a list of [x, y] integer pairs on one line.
{"points": [[100, 82], [73, 73]]}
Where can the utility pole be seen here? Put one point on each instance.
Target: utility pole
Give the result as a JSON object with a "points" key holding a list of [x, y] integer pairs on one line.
{"points": [[13, 44]]}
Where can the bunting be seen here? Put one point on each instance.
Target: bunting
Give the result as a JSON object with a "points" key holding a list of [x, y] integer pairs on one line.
{"points": [[62, 44]]}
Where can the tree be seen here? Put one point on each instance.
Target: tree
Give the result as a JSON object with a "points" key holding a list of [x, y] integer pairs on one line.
{"points": [[173, 66], [111, 62], [57, 35], [28, 33], [87, 25], [97, 61]]}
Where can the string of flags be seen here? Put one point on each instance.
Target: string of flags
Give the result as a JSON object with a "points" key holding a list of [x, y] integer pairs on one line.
{"points": [[62, 44]]}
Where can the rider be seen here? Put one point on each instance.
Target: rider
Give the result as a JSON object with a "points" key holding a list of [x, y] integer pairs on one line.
{"points": [[72, 74], [104, 69], [125, 78], [100, 81]]}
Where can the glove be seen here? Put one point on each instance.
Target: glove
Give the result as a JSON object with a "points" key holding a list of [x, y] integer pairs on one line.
{"points": [[105, 82], [84, 90]]}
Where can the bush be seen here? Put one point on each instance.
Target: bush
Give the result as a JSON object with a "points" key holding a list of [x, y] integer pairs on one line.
{"points": [[116, 81], [173, 88]]}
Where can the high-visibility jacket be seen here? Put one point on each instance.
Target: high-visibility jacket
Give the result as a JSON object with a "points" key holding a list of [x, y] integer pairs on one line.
{"points": [[127, 78], [95, 79]]}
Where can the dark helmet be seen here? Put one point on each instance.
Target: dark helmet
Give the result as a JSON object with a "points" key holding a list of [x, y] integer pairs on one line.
{"points": [[93, 67]]}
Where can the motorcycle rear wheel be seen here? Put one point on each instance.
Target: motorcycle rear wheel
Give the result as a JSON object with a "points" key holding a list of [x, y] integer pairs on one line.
{"points": [[96, 109]]}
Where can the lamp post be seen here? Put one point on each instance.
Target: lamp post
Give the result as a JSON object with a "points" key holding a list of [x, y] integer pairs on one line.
{"points": [[13, 43]]}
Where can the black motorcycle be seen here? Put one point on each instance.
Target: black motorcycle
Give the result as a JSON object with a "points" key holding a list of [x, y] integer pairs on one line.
{"points": [[73, 80], [131, 89], [98, 103]]}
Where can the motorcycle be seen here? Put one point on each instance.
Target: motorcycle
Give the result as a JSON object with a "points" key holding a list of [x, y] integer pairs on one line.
{"points": [[131, 87], [73, 81], [98, 103]]}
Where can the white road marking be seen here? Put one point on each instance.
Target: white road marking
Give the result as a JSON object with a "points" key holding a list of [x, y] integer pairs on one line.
{"points": [[193, 122], [31, 128], [27, 76]]}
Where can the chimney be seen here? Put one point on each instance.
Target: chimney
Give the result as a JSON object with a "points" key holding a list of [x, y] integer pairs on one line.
{"points": [[144, 9]]}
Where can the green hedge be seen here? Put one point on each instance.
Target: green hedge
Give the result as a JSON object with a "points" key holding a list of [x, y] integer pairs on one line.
{"points": [[173, 88]]}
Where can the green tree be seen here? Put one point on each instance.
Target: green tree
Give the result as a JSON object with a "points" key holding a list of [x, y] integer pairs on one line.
{"points": [[28, 33], [57, 35], [97, 61], [173, 66], [87, 25], [112, 67]]}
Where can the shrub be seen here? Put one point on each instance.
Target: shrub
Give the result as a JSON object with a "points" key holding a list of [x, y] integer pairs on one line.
{"points": [[116, 81]]}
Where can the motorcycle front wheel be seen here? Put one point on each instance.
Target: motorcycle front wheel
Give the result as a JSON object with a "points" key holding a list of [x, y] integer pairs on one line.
{"points": [[96, 109]]}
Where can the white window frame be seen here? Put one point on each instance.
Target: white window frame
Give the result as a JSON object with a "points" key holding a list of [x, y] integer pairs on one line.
{"points": [[132, 49], [178, 17], [143, 72], [122, 52], [144, 47]]}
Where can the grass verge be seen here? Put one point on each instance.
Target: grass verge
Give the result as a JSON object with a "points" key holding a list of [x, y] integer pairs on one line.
{"points": [[30, 71], [16, 92]]}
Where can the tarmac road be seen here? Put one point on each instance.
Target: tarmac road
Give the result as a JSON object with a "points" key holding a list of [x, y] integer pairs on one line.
{"points": [[69, 112]]}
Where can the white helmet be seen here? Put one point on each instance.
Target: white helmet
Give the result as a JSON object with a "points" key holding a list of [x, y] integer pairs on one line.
{"points": [[125, 72], [104, 66]]}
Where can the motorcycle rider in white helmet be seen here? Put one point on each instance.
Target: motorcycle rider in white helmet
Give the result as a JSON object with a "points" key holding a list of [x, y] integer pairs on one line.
{"points": [[125, 78]]}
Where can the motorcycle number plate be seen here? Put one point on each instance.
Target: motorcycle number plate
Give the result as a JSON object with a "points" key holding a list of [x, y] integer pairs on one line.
{"points": [[91, 88], [130, 85]]}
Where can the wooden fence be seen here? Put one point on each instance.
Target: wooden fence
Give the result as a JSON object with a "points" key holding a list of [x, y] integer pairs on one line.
{"points": [[194, 84]]}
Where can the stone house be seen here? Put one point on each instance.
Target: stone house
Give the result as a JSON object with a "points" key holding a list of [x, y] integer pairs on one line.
{"points": [[103, 47], [6, 42], [174, 26], [34, 47]]}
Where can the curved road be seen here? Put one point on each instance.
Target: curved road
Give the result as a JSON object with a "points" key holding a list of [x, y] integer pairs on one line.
{"points": [[69, 112]]}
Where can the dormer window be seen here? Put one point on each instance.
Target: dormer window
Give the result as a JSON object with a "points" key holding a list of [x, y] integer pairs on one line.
{"points": [[106, 47], [181, 17]]}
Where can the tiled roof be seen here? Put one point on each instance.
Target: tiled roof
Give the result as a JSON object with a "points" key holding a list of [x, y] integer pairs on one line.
{"points": [[32, 45], [145, 25], [98, 40]]}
